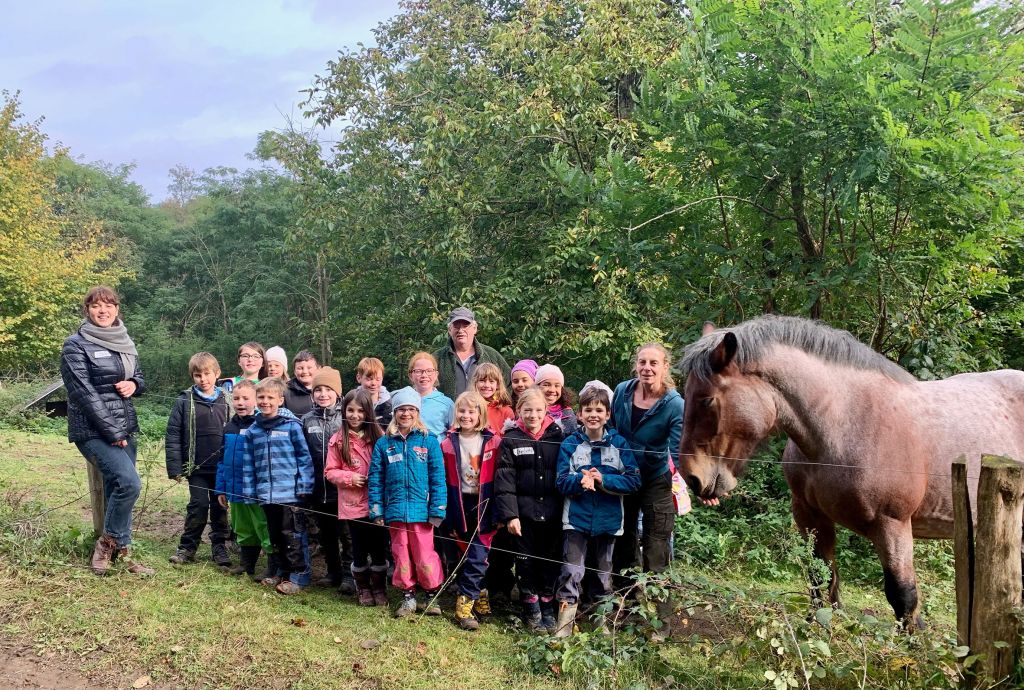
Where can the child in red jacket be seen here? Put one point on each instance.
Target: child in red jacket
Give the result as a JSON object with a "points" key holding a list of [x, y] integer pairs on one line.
{"points": [[489, 383]]}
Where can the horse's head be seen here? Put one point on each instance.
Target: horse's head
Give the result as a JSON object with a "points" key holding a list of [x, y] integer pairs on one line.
{"points": [[728, 413]]}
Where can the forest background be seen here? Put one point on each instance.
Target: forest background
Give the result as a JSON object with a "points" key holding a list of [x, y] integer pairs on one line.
{"points": [[585, 175]]}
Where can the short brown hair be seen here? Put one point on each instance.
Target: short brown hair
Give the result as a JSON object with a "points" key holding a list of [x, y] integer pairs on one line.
{"points": [[202, 361], [368, 366], [476, 400], [100, 293], [272, 383], [305, 356], [595, 394]]}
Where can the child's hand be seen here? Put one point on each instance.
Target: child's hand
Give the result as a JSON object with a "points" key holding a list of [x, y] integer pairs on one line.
{"points": [[587, 482], [379, 522], [358, 480], [595, 475], [223, 501], [434, 521], [514, 528]]}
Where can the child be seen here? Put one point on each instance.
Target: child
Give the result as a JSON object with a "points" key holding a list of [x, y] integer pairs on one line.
{"points": [[596, 468], [489, 383], [559, 399], [318, 426], [407, 491], [283, 471], [299, 396], [348, 465], [437, 409], [277, 363], [251, 362], [370, 377], [194, 445], [529, 503], [470, 456], [235, 486], [522, 377]]}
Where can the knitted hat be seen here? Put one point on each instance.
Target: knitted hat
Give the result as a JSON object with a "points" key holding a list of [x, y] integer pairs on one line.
{"points": [[598, 385], [327, 376], [525, 365], [276, 354], [549, 372], [405, 396]]}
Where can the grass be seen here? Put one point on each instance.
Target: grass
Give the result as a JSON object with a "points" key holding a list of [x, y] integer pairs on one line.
{"points": [[194, 626]]}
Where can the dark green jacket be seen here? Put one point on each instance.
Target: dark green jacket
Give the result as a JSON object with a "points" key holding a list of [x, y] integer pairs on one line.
{"points": [[448, 378]]}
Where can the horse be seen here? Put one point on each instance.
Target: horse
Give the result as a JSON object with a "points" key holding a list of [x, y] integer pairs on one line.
{"points": [[870, 446]]}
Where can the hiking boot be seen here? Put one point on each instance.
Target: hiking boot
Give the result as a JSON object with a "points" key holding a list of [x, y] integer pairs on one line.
{"points": [[288, 587], [363, 587], [248, 555], [103, 554], [273, 568], [182, 556], [430, 607], [125, 556], [408, 605], [532, 615], [347, 585], [379, 586], [566, 619], [547, 613], [464, 613], [220, 555], [482, 606]]}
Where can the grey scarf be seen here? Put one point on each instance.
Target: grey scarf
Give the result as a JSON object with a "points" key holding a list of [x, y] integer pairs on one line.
{"points": [[114, 338]]}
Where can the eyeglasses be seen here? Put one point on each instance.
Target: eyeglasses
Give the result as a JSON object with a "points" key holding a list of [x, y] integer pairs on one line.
{"points": [[250, 356], [460, 326], [421, 372]]}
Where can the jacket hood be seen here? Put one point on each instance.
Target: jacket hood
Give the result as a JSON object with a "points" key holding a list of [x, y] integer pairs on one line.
{"points": [[283, 416], [296, 386]]}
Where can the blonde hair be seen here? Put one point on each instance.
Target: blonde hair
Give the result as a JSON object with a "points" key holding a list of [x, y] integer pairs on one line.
{"points": [[418, 425], [201, 361], [473, 399], [421, 355], [491, 372], [667, 382], [531, 393], [273, 384], [368, 366]]}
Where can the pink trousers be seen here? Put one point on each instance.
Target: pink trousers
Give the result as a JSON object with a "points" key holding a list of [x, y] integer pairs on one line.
{"points": [[416, 562]]}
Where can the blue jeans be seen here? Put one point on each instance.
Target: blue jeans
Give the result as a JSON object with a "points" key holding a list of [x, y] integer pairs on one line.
{"points": [[121, 484]]}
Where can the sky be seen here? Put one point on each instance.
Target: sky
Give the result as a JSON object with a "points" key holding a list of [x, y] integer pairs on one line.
{"points": [[161, 83]]}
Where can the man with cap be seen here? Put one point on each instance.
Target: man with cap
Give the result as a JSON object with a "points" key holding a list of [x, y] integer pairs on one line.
{"points": [[459, 358]]}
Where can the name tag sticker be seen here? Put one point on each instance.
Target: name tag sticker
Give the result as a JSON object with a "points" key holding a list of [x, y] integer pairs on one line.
{"points": [[278, 433], [394, 458], [488, 455], [523, 450], [100, 354]]}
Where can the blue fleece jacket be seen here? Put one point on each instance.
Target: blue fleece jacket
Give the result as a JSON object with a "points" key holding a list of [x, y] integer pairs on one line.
{"points": [[599, 511], [276, 449], [437, 411], [406, 480], [656, 436], [234, 477]]}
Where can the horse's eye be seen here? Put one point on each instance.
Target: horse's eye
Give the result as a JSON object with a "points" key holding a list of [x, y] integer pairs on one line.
{"points": [[707, 402]]}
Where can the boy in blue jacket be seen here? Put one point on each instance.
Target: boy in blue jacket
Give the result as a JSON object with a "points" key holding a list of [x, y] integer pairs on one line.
{"points": [[276, 450], [596, 468]]}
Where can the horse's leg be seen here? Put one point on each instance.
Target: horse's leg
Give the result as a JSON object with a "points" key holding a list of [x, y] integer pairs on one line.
{"points": [[815, 523], [894, 544]]}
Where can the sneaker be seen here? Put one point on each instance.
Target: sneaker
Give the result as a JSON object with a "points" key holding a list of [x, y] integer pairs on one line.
{"points": [[220, 555], [407, 607], [182, 556]]}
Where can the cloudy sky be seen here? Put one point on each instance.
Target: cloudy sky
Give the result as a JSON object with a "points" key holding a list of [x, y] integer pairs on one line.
{"points": [[161, 82]]}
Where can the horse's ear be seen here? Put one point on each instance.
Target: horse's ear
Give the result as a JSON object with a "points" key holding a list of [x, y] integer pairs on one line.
{"points": [[708, 327], [724, 352]]}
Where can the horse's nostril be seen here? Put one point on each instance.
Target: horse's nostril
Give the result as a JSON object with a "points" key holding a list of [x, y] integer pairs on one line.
{"points": [[694, 483]]}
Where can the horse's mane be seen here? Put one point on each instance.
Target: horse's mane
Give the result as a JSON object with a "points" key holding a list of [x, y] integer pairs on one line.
{"points": [[755, 337]]}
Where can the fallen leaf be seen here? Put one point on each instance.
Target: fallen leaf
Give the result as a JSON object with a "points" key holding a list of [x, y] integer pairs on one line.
{"points": [[556, 669], [421, 647], [177, 649], [357, 667], [141, 682], [123, 594], [337, 640], [299, 622], [369, 644]]}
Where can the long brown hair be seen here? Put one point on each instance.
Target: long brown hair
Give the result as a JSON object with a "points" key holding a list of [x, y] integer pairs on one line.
{"points": [[372, 429], [253, 345]]}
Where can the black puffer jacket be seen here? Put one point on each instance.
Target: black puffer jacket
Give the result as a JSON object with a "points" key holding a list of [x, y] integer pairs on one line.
{"points": [[298, 398], [194, 443], [95, 408], [524, 483], [318, 425]]}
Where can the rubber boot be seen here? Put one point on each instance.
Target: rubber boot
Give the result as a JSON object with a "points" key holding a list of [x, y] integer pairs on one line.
{"points": [[532, 616], [363, 586], [547, 615], [464, 613], [566, 619], [665, 612], [247, 557], [273, 569], [379, 585], [103, 554]]}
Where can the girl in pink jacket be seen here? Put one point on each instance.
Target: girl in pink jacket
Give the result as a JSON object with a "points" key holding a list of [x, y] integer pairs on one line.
{"points": [[348, 463]]}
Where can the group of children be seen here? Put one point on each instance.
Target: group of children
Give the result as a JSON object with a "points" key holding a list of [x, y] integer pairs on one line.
{"points": [[412, 475]]}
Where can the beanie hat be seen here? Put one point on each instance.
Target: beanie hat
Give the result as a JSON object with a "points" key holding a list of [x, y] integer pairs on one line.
{"points": [[276, 354], [525, 365], [327, 376], [549, 372], [405, 396], [597, 385]]}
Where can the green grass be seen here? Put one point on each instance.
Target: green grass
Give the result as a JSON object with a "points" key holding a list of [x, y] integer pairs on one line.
{"points": [[194, 626]]}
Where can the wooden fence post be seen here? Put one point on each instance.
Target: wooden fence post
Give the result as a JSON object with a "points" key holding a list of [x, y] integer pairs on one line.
{"points": [[994, 627], [963, 551], [96, 498]]}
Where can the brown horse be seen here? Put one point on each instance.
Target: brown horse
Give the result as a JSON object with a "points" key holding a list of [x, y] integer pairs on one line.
{"points": [[870, 446]]}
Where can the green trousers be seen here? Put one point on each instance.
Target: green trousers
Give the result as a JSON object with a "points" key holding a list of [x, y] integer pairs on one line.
{"points": [[250, 525]]}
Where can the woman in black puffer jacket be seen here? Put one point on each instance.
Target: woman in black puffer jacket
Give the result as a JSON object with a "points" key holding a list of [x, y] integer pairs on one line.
{"points": [[100, 368]]}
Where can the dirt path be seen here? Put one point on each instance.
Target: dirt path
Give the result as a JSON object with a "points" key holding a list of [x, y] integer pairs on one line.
{"points": [[20, 667]]}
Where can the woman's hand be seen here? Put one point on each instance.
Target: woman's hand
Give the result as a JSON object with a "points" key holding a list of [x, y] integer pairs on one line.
{"points": [[125, 389], [123, 443], [514, 528]]}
